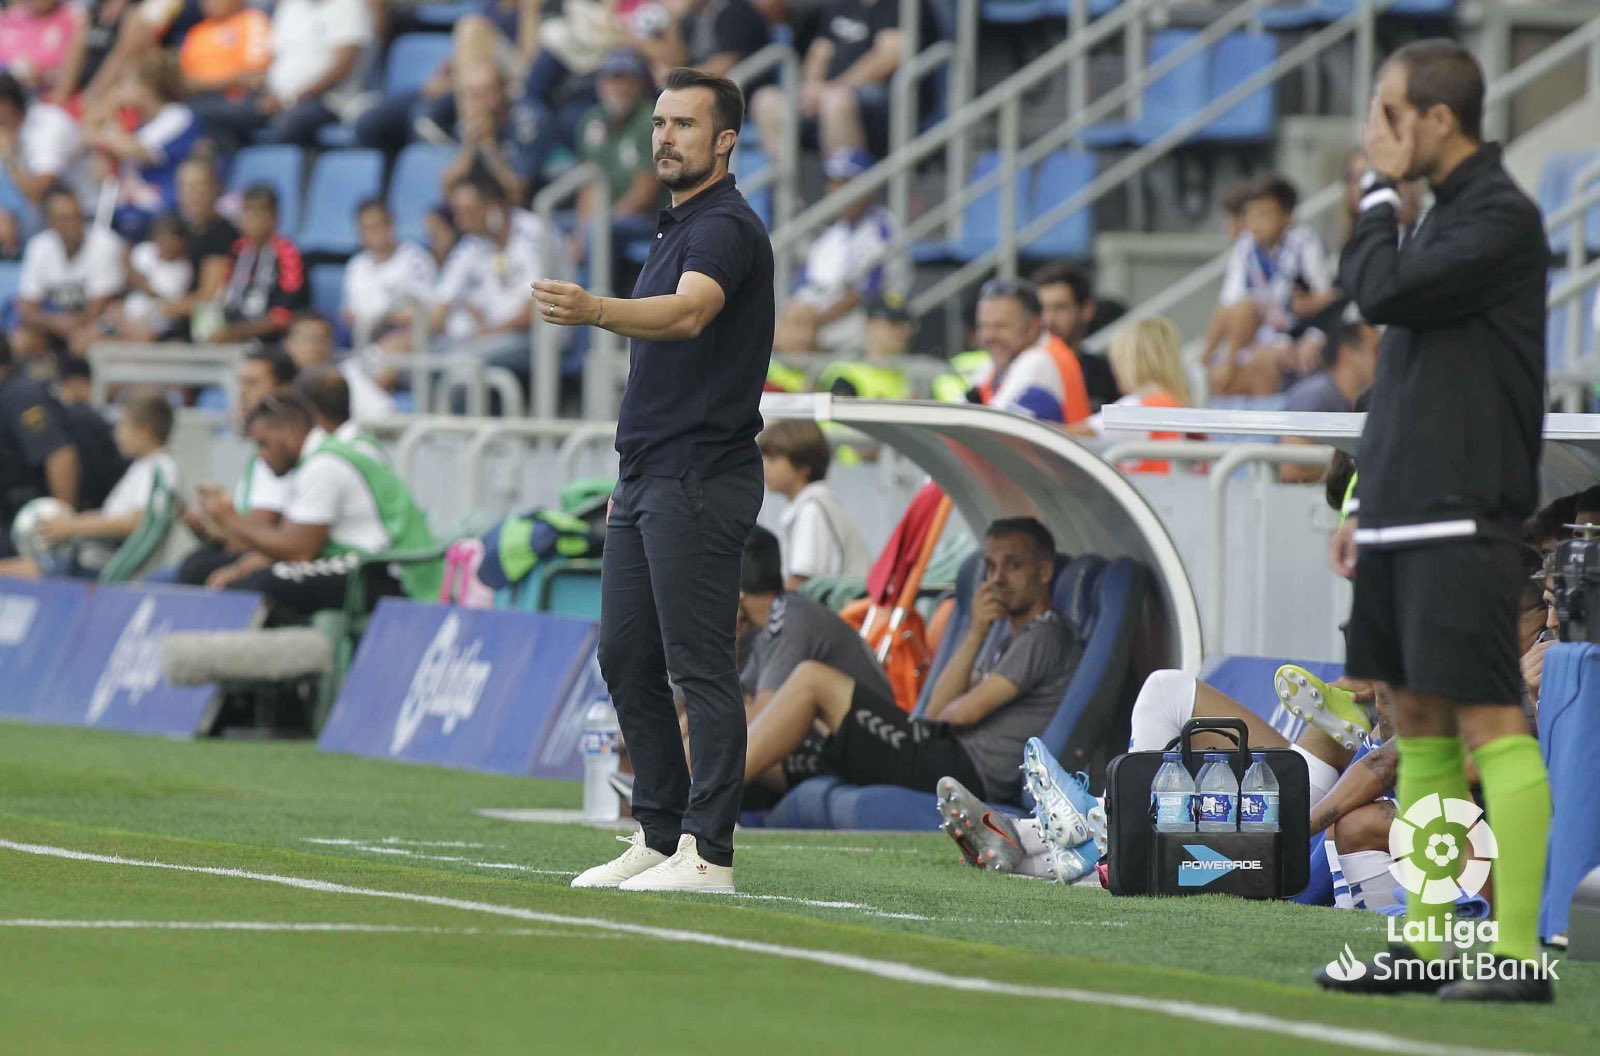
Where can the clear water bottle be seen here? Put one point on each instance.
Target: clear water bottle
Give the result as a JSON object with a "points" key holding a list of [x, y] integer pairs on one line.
{"points": [[1218, 792], [1172, 795], [1258, 797], [602, 744]]}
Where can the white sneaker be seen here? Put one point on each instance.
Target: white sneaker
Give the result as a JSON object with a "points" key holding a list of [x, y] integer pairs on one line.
{"points": [[684, 871], [633, 861]]}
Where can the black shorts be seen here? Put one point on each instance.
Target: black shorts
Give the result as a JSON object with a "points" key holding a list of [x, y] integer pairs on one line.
{"points": [[1439, 618], [880, 745]]}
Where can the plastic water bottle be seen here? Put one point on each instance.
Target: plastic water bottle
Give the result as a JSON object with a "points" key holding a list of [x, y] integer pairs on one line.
{"points": [[1258, 797], [602, 741], [1172, 795], [1219, 795]]}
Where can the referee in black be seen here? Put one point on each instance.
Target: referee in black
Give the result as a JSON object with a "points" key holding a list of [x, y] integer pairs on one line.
{"points": [[701, 320], [1449, 467]]}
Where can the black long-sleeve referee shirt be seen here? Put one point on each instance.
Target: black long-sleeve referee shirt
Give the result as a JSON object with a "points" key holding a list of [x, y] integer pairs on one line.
{"points": [[1451, 445]]}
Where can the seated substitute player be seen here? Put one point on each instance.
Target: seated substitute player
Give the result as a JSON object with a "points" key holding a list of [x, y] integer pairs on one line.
{"points": [[1001, 686]]}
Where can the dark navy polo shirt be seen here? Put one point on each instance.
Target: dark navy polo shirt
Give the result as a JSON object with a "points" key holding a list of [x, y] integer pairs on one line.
{"points": [[696, 403]]}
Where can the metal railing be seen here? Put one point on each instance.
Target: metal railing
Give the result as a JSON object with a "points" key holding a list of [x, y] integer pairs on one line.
{"points": [[165, 363], [1579, 279], [782, 173], [600, 369]]}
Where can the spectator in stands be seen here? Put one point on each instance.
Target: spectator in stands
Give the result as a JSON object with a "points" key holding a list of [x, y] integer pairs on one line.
{"points": [[843, 267], [36, 37], [259, 495], [615, 137], [499, 140], [100, 464], [227, 53], [711, 36], [1349, 364], [1002, 685], [115, 37], [819, 539], [83, 543], [481, 303], [145, 161], [343, 505], [1067, 304], [1278, 273], [442, 234], [844, 89], [71, 275], [890, 329], [387, 282], [1148, 362], [37, 456], [39, 147], [160, 277], [317, 47], [310, 344], [266, 282], [211, 235], [1031, 371], [326, 390]]}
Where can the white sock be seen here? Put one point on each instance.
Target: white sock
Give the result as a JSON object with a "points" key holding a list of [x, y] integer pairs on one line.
{"points": [[1341, 889], [1035, 865], [1028, 836], [1164, 704], [1371, 884], [1323, 776]]}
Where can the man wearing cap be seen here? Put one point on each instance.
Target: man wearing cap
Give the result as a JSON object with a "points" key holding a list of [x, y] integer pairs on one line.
{"points": [[843, 268]]}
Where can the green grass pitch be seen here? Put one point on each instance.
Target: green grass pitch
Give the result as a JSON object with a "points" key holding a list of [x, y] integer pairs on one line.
{"points": [[488, 950]]}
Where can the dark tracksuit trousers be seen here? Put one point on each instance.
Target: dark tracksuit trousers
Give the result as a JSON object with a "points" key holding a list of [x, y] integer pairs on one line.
{"points": [[669, 603]]}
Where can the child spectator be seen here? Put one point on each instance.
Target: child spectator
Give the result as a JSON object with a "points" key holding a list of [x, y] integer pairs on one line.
{"points": [[818, 539], [266, 279], [1147, 362], [160, 276], [94, 535]]}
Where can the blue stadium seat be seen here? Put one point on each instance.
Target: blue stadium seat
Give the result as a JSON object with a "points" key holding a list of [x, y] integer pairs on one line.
{"points": [[1024, 12], [414, 188], [412, 59], [1558, 356], [1170, 99], [1056, 178], [340, 181], [748, 162], [1103, 600], [1557, 186], [980, 220], [10, 279], [1236, 58], [280, 168], [327, 289], [1322, 12], [572, 591]]}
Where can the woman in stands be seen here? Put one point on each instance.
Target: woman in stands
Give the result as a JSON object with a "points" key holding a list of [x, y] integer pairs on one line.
{"points": [[1148, 365]]}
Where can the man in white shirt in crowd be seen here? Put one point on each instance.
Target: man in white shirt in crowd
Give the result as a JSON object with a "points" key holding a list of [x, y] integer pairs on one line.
{"points": [[827, 311], [310, 344], [385, 283], [39, 146], [818, 540], [71, 274], [481, 304], [317, 49]]}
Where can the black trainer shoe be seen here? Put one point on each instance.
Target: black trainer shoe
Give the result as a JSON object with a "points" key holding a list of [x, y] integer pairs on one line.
{"points": [[1398, 970], [1525, 984]]}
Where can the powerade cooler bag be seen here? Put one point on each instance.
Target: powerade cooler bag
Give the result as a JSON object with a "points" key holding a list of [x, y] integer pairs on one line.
{"points": [[1143, 861]]}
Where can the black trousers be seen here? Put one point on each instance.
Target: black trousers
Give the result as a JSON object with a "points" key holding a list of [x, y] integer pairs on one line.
{"points": [[669, 602], [295, 590]]}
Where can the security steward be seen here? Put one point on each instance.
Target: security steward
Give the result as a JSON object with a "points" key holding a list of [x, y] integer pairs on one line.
{"points": [[37, 457]]}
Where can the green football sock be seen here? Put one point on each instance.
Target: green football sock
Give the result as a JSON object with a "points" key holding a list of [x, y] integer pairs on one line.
{"points": [[1516, 793], [1429, 765]]}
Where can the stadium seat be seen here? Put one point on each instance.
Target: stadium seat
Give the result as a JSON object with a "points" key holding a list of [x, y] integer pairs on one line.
{"points": [[571, 588], [749, 162], [414, 188], [1056, 178], [1236, 58], [279, 167], [340, 181], [1167, 101], [10, 279], [980, 219], [1103, 600], [1024, 12], [1558, 356], [1322, 12], [1557, 186], [412, 59], [327, 289]]}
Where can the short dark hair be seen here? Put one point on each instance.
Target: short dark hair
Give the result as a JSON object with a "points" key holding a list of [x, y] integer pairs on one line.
{"points": [[58, 190], [325, 389], [1022, 291], [1276, 187], [11, 91], [366, 205], [801, 442], [1441, 72], [1235, 197], [1345, 335], [1551, 522], [488, 189], [262, 194], [727, 106], [150, 410], [1031, 528], [761, 566], [1063, 274], [171, 223], [278, 364], [73, 367], [283, 408]]}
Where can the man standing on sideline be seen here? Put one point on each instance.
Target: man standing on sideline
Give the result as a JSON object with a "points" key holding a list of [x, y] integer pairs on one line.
{"points": [[1449, 468], [701, 321]]}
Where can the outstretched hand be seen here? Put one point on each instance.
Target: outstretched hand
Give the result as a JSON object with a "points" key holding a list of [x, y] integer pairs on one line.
{"points": [[565, 303]]}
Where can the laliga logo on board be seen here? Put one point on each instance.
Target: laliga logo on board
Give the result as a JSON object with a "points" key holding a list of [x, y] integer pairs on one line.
{"points": [[1427, 845], [135, 662], [449, 683]]}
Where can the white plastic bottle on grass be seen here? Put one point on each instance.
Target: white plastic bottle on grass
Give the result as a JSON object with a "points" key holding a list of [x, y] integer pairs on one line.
{"points": [[1172, 795], [602, 746], [1258, 797], [1218, 792]]}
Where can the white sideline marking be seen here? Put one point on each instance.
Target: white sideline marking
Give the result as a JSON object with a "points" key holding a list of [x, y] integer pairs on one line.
{"points": [[896, 971], [757, 845], [393, 841], [276, 925], [401, 852]]}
